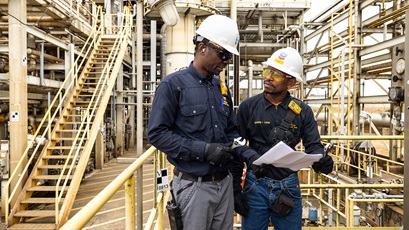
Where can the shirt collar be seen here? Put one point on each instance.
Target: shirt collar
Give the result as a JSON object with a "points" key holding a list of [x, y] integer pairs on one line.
{"points": [[198, 76], [283, 104]]}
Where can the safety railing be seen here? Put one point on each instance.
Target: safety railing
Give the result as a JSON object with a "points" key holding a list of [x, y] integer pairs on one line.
{"points": [[364, 159], [121, 38], [48, 121], [127, 177], [340, 201], [337, 192]]}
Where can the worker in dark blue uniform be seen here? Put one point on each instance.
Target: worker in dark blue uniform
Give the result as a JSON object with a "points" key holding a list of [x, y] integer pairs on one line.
{"points": [[192, 120], [271, 193]]}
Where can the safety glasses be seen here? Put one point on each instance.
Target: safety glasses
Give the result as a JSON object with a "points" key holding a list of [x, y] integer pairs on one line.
{"points": [[222, 53], [274, 74]]}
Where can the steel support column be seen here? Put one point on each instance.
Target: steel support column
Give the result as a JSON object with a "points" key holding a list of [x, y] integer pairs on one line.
{"points": [[139, 113], [18, 83], [406, 128]]}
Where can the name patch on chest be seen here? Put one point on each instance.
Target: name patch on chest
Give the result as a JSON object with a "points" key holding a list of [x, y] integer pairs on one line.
{"points": [[262, 122]]}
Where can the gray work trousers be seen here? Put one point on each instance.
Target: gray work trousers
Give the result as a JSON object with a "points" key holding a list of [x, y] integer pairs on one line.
{"points": [[205, 205]]}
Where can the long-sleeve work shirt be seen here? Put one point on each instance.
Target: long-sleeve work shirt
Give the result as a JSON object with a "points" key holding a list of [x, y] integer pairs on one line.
{"points": [[189, 111]]}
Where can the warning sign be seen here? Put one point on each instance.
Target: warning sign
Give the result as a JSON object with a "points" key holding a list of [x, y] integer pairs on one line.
{"points": [[162, 179]]}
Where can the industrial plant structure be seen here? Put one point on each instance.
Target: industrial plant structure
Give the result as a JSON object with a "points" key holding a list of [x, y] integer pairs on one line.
{"points": [[77, 79]]}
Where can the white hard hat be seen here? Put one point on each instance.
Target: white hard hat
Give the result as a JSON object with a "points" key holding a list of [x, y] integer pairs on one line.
{"points": [[287, 60], [222, 31]]}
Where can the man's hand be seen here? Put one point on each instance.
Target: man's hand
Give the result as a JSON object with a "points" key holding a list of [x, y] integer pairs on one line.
{"points": [[324, 165], [260, 171], [216, 153], [240, 204]]}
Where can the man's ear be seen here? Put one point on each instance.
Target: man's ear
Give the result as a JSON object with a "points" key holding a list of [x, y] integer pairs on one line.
{"points": [[292, 82]]}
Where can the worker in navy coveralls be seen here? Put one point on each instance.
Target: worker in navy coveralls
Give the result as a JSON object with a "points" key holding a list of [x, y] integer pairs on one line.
{"points": [[192, 120], [261, 122]]}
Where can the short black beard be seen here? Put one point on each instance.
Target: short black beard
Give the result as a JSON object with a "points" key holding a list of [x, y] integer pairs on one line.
{"points": [[274, 94]]}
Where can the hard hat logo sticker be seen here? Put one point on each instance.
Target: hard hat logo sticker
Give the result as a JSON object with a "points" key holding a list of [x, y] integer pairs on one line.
{"points": [[279, 61], [282, 56]]}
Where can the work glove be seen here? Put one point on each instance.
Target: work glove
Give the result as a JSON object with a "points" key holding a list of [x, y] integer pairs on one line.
{"points": [[324, 165], [240, 204], [259, 170], [216, 153]]}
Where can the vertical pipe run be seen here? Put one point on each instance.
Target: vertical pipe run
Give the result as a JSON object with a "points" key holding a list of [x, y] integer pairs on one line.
{"points": [[260, 26], [133, 86], [250, 79], [406, 127], [139, 113], [18, 86], [330, 199], [42, 65], [153, 51], [236, 61]]}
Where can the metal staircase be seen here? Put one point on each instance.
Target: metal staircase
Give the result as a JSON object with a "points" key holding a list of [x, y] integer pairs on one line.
{"points": [[49, 177]]}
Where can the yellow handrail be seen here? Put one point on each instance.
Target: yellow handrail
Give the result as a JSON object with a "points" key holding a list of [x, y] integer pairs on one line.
{"points": [[122, 37], [80, 219], [67, 84]]}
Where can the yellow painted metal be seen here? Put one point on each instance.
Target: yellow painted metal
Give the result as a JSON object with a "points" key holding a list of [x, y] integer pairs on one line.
{"points": [[46, 124], [363, 137], [101, 99], [345, 228], [161, 202], [355, 186], [80, 219], [130, 203], [152, 215], [350, 202], [343, 191]]}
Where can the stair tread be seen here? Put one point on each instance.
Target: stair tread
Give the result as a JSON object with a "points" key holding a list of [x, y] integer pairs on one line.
{"points": [[72, 122], [37, 200], [65, 139], [52, 166], [45, 188], [58, 157], [32, 226], [34, 213], [65, 147], [76, 115], [51, 177], [69, 130]]}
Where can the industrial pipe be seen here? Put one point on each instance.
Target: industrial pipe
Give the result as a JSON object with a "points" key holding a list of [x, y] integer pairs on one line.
{"points": [[46, 56]]}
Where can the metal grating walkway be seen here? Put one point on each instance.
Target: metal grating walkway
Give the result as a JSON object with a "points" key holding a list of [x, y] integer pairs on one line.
{"points": [[112, 214]]}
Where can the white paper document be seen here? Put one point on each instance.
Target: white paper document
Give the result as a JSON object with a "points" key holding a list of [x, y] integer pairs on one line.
{"points": [[283, 156]]}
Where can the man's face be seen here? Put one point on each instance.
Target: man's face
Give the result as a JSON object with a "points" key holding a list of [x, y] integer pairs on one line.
{"points": [[217, 58], [275, 81]]}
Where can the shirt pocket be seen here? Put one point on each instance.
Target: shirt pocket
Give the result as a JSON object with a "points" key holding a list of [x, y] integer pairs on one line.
{"points": [[194, 118]]}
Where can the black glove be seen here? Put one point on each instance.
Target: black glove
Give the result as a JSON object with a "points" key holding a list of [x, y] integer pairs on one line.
{"points": [[216, 153], [240, 204], [324, 165], [259, 170]]}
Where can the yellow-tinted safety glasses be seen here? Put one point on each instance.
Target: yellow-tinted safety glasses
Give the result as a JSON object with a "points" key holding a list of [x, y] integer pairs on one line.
{"points": [[275, 75]]}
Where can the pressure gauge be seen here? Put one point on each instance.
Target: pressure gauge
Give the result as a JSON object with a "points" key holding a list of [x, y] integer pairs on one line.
{"points": [[395, 94], [400, 66]]}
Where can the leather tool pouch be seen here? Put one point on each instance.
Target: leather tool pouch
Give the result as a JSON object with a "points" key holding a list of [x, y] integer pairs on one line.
{"points": [[284, 204]]}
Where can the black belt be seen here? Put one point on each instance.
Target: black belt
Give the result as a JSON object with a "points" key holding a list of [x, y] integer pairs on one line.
{"points": [[216, 177]]}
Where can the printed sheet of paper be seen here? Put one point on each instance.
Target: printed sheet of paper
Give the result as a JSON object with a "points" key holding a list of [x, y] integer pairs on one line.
{"points": [[283, 156]]}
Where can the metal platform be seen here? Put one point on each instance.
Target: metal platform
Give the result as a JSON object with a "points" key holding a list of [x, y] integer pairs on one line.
{"points": [[112, 214]]}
